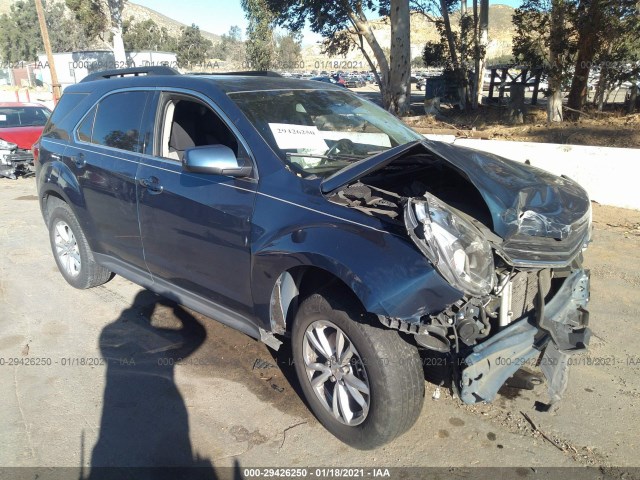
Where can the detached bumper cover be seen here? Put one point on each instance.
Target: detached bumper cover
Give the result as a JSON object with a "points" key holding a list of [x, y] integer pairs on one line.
{"points": [[564, 319]]}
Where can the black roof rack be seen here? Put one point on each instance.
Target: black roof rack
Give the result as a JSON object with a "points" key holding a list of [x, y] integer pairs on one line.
{"points": [[248, 73], [135, 71]]}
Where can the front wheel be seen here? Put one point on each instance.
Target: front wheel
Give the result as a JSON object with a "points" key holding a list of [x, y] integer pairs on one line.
{"points": [[363, 382]]}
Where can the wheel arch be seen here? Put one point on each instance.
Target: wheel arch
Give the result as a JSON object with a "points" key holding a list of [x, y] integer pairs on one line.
{"points": [[296, 284]]}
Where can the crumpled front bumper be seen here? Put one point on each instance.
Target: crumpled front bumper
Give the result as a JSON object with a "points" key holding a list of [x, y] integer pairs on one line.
{"points": [[563, 324], [14, 163]]}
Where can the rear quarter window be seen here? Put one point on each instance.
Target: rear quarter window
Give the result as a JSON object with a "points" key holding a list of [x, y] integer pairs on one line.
{"points": [[55, 127]]}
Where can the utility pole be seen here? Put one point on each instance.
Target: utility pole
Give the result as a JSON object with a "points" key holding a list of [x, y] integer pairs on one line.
{"points": [[47, 48]]}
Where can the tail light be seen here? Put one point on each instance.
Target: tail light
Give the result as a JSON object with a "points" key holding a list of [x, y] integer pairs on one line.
{"points": [[35, 149]]}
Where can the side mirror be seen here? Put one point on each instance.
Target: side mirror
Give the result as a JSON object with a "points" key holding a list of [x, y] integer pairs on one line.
{"points": [[214, 159]]}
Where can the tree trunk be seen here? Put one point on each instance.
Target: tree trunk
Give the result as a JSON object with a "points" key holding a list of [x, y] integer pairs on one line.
{"points": [[364, 28], [115, 12], [464, 87], [367, 57], [556, 45], [449, 33], [588, 43], [400, 59], [481, 53], [633, 96]]}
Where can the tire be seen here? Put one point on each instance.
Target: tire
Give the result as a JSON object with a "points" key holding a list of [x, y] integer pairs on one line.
{"points": [[383, 364], [71, 250]]}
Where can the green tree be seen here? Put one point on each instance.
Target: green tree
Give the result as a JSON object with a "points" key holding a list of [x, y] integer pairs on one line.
{"points": [[20, 37], [91, 16], [546, 37], [288, 50], [64, 34], [260, 45], [19, 33], [344, 25], [101, 20], [147, 35], [607, 30], [569, 37], [230, 46], [459, 51], [619, 58], [192, 47]]}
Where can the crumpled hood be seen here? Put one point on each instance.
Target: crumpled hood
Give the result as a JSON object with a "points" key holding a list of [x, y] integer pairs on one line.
{"points": [[522, 199]]}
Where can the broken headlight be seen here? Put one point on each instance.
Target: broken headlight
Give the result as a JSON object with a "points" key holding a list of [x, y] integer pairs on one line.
{"points": [[452, 244], [4, 145]]}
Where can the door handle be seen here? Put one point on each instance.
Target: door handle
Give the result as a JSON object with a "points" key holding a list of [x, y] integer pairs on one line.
{"points": [[79, 160], [152, 184]]}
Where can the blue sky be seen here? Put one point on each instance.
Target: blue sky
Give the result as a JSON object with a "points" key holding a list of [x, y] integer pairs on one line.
{"points": [[216, 16]]}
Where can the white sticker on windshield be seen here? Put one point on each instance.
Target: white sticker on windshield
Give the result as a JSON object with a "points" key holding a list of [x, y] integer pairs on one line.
{"points": [[289, 136], [373, 139], [3, 118]]}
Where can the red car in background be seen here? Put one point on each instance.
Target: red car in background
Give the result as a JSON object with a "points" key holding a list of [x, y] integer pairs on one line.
{"points": [[21, 125]]}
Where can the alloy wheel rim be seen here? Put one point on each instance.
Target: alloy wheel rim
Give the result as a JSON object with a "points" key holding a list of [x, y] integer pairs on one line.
{"points": [[336, 372], [67, 249]]}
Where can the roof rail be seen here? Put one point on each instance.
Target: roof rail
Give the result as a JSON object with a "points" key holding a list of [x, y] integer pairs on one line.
{"points": [[248, 73], [135, 72]]}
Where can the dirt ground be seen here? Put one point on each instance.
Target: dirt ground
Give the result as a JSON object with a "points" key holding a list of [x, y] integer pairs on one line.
{"points": [[611, 128], [220, 400]]}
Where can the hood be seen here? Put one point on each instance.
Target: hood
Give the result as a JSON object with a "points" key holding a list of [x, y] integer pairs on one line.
{"points": [[541, 218], [24, 137], [522, 199]]}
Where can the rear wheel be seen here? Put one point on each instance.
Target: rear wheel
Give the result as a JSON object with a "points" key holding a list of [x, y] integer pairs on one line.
{"points": [[363, 382], [71, 250]]}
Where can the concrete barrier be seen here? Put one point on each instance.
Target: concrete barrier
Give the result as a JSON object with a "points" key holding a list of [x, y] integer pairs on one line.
{"points": [[610, 175]]}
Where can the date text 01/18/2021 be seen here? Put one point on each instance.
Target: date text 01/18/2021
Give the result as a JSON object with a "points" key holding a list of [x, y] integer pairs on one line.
{"points": [[328, 472]]}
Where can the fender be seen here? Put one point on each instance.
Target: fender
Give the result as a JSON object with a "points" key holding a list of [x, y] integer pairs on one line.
{"points": [[389, 275], [56, 177]]}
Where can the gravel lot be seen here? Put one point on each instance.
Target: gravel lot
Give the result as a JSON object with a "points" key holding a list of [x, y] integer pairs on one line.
{"points": [[93, 378]]}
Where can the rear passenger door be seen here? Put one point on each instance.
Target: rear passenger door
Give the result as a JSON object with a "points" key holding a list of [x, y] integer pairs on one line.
{"points": [[105, 157], [195, 227]]}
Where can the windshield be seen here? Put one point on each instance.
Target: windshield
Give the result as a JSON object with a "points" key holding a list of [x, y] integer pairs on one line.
{"points": [[23, 116], [318, 132]]}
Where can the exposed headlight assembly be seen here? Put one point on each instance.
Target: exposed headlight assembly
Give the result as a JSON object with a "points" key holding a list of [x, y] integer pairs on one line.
{"points": [[453, 245]]}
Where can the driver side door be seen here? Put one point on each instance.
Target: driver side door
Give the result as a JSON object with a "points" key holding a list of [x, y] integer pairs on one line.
{"points": [[196, 227]]}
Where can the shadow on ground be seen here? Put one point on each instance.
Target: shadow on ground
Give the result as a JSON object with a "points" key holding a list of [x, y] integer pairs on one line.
{"points": [[144, 430]]}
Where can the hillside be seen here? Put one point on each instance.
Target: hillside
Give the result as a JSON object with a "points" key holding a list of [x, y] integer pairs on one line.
{"points": [[501, 34], [139, 13]]}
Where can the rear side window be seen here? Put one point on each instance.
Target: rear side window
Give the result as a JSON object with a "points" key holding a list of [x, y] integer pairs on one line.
{"points": [[117, 121]]}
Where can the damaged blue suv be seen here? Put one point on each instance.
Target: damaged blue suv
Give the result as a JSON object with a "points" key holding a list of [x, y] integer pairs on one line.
{"points": [[296, 211]]}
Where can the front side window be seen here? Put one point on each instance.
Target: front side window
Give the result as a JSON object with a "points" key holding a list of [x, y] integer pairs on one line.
{"points": [[318, 132], [187, 122], [117, 121]]}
